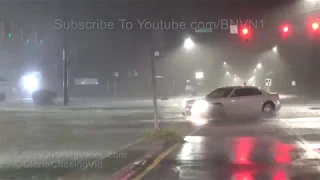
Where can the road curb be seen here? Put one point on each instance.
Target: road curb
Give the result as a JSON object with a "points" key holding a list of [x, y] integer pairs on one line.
{"points": [[133, 169]]}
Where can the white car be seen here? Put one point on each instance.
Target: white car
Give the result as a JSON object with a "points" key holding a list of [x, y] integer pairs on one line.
{"points": [[233, 100]]}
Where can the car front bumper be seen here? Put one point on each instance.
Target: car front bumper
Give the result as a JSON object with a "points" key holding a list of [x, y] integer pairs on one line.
{"points": [[212, 114]]}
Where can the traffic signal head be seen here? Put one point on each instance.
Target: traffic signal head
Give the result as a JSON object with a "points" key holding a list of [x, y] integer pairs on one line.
{"points": [[245, 31], [38, 37], [285, 31], [315, 26], [6, 29], [24, 36]]}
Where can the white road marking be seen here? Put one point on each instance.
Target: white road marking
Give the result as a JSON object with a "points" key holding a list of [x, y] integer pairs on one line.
{"points": [[311, 148]]}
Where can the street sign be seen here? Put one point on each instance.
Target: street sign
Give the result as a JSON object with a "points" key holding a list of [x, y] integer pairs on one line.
{"points": [[204, 30], [116, 74], [293, 83], [234, 29], [86, 81], [268, 82], [156, 53]]}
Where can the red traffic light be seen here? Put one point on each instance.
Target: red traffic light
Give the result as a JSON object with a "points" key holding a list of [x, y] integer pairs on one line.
{"points": [[286, 28], [315, 26], [285, 31], [245, 31]]}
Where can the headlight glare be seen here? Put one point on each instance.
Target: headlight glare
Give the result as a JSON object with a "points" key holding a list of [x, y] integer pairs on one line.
{"points": [[200, 106]]}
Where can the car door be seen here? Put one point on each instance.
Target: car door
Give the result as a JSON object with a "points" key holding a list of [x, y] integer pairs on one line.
{"points": [[256, 100], [227, 102], [241, 101], [220, 96]]}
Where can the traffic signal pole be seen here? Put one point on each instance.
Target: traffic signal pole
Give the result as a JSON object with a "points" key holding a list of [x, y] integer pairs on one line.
{"points": [[65, 60], [314, 65]]}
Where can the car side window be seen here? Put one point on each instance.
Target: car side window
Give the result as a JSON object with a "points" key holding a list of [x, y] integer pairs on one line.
{"points": [[220, 93], [246, 92], [255, 92], [241, 92]]}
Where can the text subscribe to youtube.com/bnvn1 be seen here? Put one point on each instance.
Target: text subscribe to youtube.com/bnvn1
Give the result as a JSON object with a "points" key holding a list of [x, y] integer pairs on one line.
{"points": [[143, 24]]}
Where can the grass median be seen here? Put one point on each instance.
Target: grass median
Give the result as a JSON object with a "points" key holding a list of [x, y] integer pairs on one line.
{"points": [[163, 135]]}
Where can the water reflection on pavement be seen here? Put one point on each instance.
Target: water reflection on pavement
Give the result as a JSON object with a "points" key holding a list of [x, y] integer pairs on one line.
{"points": [[238, 152]]}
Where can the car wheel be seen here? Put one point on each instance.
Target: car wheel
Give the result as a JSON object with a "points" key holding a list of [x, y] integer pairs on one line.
{"points": [[268, 107]]}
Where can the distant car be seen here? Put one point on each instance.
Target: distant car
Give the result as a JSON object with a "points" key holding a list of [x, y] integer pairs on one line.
{"points": [[233, 100], [44, 97]]}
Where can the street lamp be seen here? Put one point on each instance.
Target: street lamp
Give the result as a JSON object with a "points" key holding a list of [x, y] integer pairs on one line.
{"points": [[188, 43], [227, 73], [224, 63], [259, 66], [252, 78], [275, 49], [199, 75]]}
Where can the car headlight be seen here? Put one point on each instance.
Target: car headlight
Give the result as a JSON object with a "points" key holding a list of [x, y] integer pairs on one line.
{"points": [[200, 106], [183, 104], [31, 82]]}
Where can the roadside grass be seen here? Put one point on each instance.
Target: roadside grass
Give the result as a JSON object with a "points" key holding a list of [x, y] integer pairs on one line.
{"points": [[164, 135]]}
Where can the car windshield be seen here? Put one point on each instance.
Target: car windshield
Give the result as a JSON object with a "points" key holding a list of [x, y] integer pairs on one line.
{"points": [[220, 93]]}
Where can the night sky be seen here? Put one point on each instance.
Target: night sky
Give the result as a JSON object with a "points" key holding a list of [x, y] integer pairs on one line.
{"points": [[100, 53]]}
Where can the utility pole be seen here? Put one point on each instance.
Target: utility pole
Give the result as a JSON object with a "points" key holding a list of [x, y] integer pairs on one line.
{"points": [[174, 79], [65, 60], [154, 86], [157, 45], [115, 88]]}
